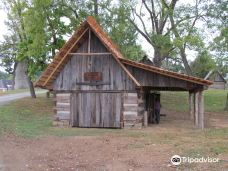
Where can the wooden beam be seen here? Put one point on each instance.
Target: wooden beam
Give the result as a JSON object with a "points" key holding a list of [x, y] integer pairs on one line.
{"points": [[89, 41], [201, 110], [191, 105], [84, 54], [196, 108], [64, 57], [128, 73], [145, 119]]}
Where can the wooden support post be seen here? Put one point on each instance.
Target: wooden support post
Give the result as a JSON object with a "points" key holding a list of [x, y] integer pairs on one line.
{"points": [[48, 94], [196, 108], [89, 41], [201, 110], [191, 105], [145, 119]]}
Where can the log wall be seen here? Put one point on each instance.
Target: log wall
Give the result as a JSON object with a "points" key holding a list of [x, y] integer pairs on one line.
{"points": [[133, 110], [62, 108]]}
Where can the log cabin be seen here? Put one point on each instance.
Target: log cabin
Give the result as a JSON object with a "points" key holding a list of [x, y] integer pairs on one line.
{"points": [[96, 86], [219, 81]]}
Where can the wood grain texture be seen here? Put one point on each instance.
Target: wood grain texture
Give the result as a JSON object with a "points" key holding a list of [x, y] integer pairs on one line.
{"points": [[161, 82], [72, 76], [96, 109], [201, 110]]}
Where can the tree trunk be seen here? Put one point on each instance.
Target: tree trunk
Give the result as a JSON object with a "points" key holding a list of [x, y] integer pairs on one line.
{"points": [[95, 7], [185, 61], [157, 59], [31, 88], [14, 73], [21, 76]]}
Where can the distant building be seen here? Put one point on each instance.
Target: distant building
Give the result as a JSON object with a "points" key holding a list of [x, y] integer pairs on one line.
{"points": [[6, 85], [217, 78], [146, 60]]}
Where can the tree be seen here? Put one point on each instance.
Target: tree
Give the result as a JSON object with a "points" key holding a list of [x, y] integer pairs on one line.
{"points": [[186, 33], [8, 55], [3, 75], [218, 25], [203, 64], [171, 27], [156, 35], [37, 30], [123, 33]]}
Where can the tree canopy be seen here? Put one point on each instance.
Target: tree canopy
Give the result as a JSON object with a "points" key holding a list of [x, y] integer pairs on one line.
{"points": [[38, 28]]}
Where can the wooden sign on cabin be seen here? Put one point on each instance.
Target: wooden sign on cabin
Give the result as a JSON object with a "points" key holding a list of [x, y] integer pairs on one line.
{"points": [[93, 76]]}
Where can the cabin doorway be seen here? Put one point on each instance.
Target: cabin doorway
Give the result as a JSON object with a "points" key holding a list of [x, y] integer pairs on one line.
{"points": [[96, 110], [150, 99]]}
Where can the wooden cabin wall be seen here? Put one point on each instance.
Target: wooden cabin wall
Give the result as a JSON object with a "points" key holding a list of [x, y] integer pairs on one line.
{"points": [[147, 78], [113, 76], [94, 104], [218, 85], [218, 78]]}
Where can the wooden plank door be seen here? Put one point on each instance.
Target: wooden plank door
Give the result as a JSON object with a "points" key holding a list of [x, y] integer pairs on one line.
{"points": [[96, 109]]}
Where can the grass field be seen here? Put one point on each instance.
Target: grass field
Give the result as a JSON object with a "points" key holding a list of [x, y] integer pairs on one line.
{"points": [[214, 100], [32, 118]]}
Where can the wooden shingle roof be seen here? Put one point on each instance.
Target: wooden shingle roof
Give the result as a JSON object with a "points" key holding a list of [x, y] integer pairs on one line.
{"points": [[54, 68]]}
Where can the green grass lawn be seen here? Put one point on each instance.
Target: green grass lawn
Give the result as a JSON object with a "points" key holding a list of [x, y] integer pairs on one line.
{"points": [[214, 100], [33, 117]]}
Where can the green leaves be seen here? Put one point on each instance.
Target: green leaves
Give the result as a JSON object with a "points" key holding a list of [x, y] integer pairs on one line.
{"points": [[203, 64]]}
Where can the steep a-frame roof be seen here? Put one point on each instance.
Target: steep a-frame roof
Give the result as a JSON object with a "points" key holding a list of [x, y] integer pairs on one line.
{"points": [[213, 72], [59, 61], [49, 75]]}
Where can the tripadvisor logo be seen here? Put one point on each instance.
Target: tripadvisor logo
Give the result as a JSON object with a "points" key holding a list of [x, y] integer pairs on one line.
{"points": [[177, 160]]}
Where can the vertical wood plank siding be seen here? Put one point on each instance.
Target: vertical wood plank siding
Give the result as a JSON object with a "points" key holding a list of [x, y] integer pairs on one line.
{"points": [[96, 109], [114, 78], [147, 78]]}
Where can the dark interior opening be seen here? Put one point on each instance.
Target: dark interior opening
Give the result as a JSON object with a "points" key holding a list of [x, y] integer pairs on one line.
{"points": [[150, 98]]}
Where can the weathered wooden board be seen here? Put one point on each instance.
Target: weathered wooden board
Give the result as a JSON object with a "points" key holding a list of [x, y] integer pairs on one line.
{"points": [[72, 75], [96, 109], [160, 82], [218, 85]]}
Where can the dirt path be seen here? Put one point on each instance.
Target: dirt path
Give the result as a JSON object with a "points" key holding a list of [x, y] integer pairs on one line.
{"points": [[1, 165], [84, 153], [11, 97]]}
